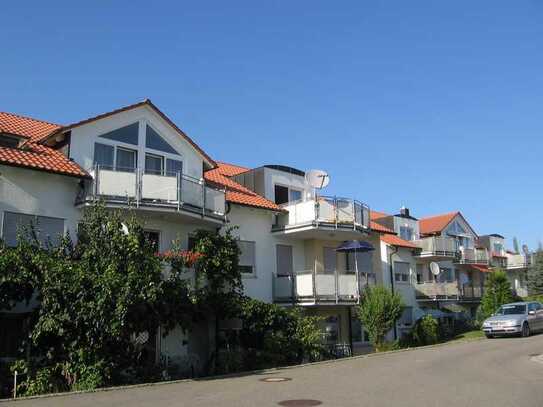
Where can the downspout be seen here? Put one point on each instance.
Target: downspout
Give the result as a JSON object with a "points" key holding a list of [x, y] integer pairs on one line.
{"points": [[391, 271]]}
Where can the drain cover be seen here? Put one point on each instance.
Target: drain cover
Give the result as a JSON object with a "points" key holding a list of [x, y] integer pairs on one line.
{"points": [[300, 403], [275, 379]]}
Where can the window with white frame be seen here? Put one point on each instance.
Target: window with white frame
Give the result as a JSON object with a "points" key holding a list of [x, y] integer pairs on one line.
{"points": [[406, 233], [247, 258], [401, 272], [285, 194]]}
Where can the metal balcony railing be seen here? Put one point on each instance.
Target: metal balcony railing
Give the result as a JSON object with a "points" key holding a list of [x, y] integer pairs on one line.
{"points": [[451, 290], [320, 287], [473, 256], [437, 246], [136, 187], [331, 211]]}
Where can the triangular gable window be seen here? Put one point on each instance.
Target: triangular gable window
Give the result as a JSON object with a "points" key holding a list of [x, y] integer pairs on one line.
{"points": [[154, 141], [127, 134], [456, 229]]}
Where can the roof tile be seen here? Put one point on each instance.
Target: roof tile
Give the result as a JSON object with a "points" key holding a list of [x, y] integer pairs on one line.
{"points": [[435, 224]]}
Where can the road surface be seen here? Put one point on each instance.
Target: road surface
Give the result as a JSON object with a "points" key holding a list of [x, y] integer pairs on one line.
{"points": [[497, 372]]}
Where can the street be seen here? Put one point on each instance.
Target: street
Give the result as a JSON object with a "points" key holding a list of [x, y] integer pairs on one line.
{"points": [[498, 372]]}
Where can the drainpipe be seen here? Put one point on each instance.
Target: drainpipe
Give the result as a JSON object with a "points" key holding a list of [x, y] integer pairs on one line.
{"points": [[391, 271]]}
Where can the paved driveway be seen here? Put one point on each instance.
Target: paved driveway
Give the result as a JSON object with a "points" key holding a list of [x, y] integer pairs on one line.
{"points": [[499, 372]]}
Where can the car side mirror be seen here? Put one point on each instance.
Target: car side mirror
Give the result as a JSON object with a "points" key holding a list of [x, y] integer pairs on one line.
{"points": [[531, 312]]}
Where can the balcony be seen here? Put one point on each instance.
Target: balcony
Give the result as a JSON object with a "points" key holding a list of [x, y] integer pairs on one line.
{"points": [[329, 213], [518, 261], [472, 256], [434, 291], [437, 291], [437, 248], [310, 287], [175, 192]]}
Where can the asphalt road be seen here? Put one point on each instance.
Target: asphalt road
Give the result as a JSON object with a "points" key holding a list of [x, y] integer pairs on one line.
{"points": [[497, 372]]}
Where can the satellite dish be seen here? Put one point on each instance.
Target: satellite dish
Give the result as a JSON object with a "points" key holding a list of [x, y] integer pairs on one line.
{"points": [[434, 268], [317, 178]]}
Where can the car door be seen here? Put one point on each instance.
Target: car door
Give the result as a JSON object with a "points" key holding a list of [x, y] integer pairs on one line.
{"points": [[539, 314], [533, 317]]}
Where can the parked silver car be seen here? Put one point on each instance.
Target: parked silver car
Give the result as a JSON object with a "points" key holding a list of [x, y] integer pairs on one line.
{"points": [[518, 318]]}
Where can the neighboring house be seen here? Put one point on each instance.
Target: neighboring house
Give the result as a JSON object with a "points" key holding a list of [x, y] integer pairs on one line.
{"points": [[133, 158], [451, 242], [514, 264]]}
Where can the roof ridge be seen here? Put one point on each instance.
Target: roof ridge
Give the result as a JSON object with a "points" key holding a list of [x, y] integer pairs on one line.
{"points": [[441, 214], [20, 116]]}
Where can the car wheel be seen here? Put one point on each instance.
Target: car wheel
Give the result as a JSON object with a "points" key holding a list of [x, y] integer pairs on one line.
{"points": [[525, 330], [489, 336]]}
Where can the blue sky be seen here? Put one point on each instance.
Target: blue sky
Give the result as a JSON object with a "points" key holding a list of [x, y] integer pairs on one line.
{"points": [[430, 104]]}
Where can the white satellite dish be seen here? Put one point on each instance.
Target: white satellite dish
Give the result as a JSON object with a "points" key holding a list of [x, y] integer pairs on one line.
{"points": [[317, 178], [434, 268]]}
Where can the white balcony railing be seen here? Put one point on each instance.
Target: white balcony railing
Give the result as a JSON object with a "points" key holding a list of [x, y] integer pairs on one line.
{"points": [[473, 256], [330, 286], [437, 246], [516, 261], [451, 290], [176, 191], [338, 212]]}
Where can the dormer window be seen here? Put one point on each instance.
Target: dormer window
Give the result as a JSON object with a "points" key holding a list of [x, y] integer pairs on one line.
{"points": [[10, 140]]}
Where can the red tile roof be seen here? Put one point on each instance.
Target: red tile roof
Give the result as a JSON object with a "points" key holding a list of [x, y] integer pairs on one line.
{"points": [[237, 193], [32, 155], [435, 224], [25, 126], [396, 241], [377, 227]]}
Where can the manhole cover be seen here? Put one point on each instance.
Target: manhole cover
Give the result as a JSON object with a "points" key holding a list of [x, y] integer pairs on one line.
{"points": [[275, 379], [300, 403]]}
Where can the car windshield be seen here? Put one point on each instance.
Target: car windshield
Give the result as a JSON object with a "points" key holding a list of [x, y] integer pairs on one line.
{"points": [[511, 310]]}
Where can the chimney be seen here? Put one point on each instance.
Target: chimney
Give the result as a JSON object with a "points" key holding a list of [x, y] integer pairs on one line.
{"points": [[404, 211]]}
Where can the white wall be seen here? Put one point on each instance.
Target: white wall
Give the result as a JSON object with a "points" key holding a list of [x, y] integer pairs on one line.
{"points": [[273, 177], [39, 193], [83, 139], [255, 225]]}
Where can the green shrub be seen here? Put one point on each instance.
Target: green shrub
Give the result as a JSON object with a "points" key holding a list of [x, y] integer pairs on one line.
{"points": [[497, 292], [425, 331], [378, 311]]}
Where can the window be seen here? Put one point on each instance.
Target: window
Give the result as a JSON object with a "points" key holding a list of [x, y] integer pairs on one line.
{"points": [[285, 194], [401, 272], [9, 141], [126, 159], [127, 134], [48, 230], [446, 275], [295, 195], [498, 247], [281, 195], [284, 260], [330, 259], [420, 273], [153, 237], [247, 257], [103, 155], [174, 167], [154, 164], [156, 142], [406, 233]]}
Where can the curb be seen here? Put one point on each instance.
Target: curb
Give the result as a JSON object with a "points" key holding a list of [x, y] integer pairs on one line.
{"points": [[242, 374]]}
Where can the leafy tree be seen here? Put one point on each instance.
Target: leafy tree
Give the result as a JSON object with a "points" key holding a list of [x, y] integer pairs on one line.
{"points": [[274, 336], [497, 292], [94, 298], [535, 275], [378, 311]]}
